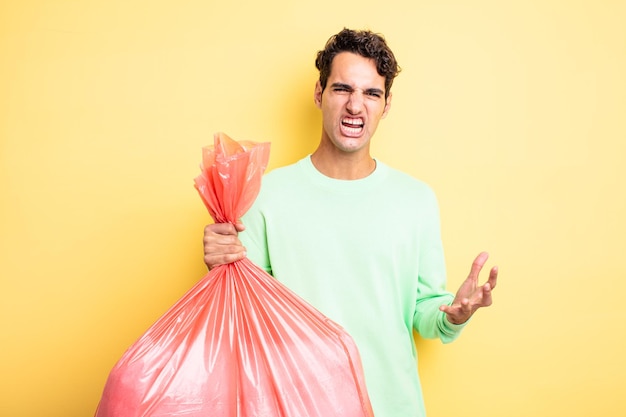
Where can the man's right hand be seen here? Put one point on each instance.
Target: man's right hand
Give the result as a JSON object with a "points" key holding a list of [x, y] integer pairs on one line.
{"points": [[221, 244]]}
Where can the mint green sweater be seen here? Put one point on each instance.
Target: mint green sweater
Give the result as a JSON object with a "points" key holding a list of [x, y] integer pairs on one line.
{"points": [[366, 253]]}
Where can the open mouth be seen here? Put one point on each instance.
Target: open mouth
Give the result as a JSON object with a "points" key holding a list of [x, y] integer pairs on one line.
{"points": [[352, 126]]}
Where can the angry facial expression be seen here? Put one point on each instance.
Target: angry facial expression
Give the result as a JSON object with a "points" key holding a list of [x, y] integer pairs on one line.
{"points": [[352, 103]]}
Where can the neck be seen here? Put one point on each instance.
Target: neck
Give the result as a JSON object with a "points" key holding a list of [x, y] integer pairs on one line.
{"points": [[341, 165]]}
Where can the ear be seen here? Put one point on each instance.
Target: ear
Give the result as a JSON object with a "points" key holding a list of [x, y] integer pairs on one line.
{"points": [[317, 95], [387, 105]]}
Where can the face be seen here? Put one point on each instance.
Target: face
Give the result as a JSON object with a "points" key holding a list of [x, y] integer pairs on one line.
{"points": [[353, 102]]}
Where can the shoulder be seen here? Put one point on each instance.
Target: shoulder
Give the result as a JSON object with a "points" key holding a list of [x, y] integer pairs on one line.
{"points": [[285, 177], [401, 182], [279, 183], [283, 173]]}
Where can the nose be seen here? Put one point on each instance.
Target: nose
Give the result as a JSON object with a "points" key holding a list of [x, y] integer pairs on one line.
{"points": [[355, 102]]}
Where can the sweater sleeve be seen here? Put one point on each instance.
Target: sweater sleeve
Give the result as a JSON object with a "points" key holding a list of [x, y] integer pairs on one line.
{"points": [[428, 320], [254, 237], [432, 323]]}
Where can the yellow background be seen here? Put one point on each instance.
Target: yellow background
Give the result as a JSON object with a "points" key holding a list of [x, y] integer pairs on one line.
{"points": [[514, 111]]}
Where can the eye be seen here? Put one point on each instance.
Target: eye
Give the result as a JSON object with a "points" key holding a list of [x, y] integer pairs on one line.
{"points": [[374, 93], [341, 89]]}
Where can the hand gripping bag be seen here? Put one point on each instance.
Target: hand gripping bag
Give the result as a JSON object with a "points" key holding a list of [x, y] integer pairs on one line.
{"points": [[239, 343]]}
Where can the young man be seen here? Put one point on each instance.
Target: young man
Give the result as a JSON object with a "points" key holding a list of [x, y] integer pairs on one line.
{"points": [[357, 239]]}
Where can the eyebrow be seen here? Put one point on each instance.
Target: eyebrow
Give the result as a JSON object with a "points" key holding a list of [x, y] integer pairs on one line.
{"points": [[349, 87]]}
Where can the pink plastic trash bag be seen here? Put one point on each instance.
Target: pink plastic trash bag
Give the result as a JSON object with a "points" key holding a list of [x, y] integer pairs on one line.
{"points": [[239, 343]]}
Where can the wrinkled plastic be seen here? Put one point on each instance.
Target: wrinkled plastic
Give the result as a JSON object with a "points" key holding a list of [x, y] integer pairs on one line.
{"points": [[239, 343]]}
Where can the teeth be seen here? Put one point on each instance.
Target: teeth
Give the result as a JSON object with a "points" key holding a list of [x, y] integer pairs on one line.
{"points": [[352, 130], [354, 122]]}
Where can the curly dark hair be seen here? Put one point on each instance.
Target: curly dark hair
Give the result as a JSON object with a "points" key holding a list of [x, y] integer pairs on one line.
{"points": [[362, 42]]}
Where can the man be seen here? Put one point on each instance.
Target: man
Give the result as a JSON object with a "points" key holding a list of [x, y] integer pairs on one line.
{"points": [[357, 239]]}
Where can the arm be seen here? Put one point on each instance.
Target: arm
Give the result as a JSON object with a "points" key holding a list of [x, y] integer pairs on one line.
{"points": [[429, 320]]}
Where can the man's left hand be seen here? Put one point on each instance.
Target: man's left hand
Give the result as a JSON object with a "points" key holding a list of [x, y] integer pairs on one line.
{"points": [[471, 296]]}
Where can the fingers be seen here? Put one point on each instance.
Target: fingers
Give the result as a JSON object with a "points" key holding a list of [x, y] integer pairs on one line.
{"points": [[457, 313], [482, 297], [213, 261], [471, 296], [493, 277], [485, 298], [239, 226], [478, 264], [460, 312], [220, 229], [221, 244]]}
